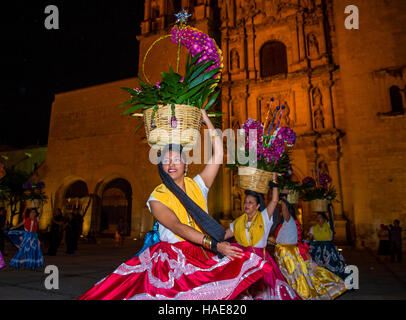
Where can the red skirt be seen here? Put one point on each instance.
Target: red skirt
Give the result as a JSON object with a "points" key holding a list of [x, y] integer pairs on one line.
{"points": [[273, 286], [182, 271]]}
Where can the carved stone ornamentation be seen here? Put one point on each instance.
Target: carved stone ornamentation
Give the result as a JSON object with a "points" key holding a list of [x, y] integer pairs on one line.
{"points": [[234, 60], [317, 109], [313, 50]]}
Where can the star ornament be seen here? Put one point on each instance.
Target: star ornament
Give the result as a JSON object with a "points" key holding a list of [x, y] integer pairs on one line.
{"points": [[182, 16]]}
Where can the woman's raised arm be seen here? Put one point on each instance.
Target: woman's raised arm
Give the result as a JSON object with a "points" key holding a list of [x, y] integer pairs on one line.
{"points": [[275, 197], [211, 169]]}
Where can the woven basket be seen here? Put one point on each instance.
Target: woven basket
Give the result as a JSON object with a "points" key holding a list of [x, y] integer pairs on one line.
{"points": [[319, 205], [254, 179], [35, 203], [186, 133], [293, 197]]}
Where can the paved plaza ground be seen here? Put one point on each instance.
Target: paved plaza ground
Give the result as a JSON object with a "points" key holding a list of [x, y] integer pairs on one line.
{"points": [[92, 262]]}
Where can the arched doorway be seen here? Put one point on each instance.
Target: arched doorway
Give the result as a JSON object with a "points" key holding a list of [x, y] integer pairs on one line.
{"points": [[75, 196], [116, 203]]}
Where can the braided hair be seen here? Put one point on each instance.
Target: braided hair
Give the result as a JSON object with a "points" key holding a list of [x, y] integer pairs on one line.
{"points": [[206, 222]]}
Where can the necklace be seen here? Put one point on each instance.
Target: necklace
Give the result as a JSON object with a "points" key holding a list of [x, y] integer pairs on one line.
{"points": [[249, 228]]}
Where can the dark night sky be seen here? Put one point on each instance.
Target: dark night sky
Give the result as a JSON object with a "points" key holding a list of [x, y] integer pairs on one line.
{"points": [[96, 43]]}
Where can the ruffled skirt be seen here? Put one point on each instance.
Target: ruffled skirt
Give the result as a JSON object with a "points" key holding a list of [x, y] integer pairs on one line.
{"points": [[2, 262], [309, 280], [326, 255], [182, 271], [273, 285], [29, 254]]}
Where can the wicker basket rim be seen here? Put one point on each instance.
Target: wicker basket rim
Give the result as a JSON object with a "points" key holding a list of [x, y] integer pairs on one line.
{"points": [[255, 169], [169, 106]]}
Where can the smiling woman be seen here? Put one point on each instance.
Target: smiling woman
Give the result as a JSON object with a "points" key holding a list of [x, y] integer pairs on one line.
{"points": [[191, 259]]}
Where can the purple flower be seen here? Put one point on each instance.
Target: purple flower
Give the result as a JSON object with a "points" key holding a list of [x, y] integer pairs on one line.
{"points": [[195, 42], [324, 179], [174, 122], [310, 181], [27, 185], [158, 85], [40, 185]]}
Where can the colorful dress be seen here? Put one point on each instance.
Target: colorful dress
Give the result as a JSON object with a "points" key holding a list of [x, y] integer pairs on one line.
{"points": [[309, 280], [177, 269], [2, 262], [29, 254], [253, 236], [324, 252]]}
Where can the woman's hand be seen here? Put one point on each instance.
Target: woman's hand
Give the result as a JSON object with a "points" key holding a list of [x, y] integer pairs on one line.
{"points": [[229, 251], [205, 117]]}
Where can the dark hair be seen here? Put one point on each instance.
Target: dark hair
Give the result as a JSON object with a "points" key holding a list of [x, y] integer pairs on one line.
{"points": [[259, 197], [278, 219], [207, 223], [323, 215], [172, 147], [27, 214]]}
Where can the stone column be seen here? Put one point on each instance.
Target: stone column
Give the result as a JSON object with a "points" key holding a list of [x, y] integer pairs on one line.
{"points": [[250, 36]]}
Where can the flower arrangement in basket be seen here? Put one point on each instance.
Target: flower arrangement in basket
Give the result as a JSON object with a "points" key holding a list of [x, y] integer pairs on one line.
{"points": [[292, 188], [272, 153], [34, 194], [318, 191], [171, 108]]}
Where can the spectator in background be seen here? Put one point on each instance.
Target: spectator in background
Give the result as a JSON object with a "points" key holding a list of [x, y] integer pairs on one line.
{"points": [[70, 233], [121, 232], [396, 241], [384, 242]]}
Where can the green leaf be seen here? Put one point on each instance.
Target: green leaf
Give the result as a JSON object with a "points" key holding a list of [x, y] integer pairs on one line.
{"points": [[133, 109], [216, 114], [205, 76], [212, 100], [139, 126], [125, 103], [131, 91], [199, 69], [189, 94]]}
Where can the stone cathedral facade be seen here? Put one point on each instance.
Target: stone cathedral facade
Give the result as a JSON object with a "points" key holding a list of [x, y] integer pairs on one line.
{"points": [[343, 89]]}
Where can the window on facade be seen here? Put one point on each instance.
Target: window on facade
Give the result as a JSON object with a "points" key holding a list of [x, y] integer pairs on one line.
{"points": [[273, 59], [396, 99]]}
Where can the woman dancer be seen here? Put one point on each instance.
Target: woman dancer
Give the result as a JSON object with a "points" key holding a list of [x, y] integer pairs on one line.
{"points": [[251, 231], [309, 280], [29, 254], [323, 250], [191, 261]]}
